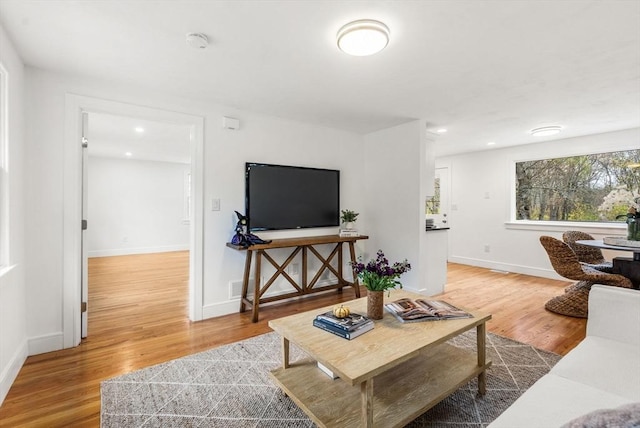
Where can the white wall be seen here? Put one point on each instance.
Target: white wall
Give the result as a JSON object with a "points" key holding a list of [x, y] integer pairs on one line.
{"points": [[13, 309], [396, 182], [260, 139], [481, 187], [135, 207]]}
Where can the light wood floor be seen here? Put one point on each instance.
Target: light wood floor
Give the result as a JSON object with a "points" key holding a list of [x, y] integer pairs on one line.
{"points": [[138, 317]]}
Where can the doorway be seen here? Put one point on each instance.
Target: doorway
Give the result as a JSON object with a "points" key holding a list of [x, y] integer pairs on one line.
{"points": [[76, 106], [136, 200]]}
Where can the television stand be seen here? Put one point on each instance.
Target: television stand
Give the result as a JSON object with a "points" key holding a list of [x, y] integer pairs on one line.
{"points": [[303, 246]]}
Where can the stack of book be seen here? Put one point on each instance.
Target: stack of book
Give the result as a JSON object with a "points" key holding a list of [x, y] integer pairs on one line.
{"points": [[349, 232], [349, 327]]}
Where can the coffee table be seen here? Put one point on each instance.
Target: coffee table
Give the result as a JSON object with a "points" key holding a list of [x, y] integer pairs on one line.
{"points": [[388, 376]]}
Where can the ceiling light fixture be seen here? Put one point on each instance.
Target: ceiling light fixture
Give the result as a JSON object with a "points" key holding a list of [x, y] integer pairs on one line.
{"points": [[545, 131], [363, 37], [197, 40], [491, 143], [128, 154], [139, 129], [441, 131]]}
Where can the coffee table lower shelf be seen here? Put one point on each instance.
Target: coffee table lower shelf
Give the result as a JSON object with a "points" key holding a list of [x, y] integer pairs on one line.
{"points": [[400, 394]]}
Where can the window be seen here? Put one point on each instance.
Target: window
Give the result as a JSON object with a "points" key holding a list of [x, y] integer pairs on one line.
{"points": [[433, 203], [597, 187], [4, 171]]}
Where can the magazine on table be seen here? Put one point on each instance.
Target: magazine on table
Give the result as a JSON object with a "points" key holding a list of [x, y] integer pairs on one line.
{"points": [[348, 323], [414, 310]]}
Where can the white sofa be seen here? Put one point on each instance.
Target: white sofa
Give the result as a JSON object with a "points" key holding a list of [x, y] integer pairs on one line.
{"points": [[602, 372]]}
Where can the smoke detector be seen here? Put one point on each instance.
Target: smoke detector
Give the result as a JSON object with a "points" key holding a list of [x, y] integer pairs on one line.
{"points": [[197, 40]]}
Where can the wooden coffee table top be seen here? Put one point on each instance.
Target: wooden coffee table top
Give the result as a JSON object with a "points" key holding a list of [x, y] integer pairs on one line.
{"points": [[389, 344]]}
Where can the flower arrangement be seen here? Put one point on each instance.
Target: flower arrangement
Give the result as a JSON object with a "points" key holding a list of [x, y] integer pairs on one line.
{"points": [[378, 275], [349, 216]]}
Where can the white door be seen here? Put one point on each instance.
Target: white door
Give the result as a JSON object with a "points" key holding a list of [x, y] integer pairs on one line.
{"points": [[84, 298], [438, 206]]}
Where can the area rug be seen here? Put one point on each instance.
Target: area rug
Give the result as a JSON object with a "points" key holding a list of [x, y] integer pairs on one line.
{"points": [[230, 387]]}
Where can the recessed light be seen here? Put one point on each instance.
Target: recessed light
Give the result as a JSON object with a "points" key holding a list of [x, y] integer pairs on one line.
{"points": [[362, 38], [491, 143], [441, 131], [545, 131], [128, 154], [139, 129]]}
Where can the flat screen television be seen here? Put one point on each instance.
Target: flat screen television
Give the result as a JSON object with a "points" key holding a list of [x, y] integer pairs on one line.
{"points": [[291, 197]]}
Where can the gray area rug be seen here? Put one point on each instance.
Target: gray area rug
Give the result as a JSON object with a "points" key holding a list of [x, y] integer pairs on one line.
{"points": [[230, 387]]}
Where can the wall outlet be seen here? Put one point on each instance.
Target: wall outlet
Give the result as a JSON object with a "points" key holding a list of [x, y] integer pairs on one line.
{"points": [[294, 269], [487, 248]]}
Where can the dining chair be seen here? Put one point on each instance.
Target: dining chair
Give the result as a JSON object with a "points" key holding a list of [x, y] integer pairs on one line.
{"points": [[589, 255], [565, 262]]}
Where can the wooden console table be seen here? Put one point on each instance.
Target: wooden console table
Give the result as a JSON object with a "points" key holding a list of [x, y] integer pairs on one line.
{"points": [[302, 245]]}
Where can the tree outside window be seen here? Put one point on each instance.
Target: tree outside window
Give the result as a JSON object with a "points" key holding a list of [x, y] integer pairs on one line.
{"points": [[595, 187]]}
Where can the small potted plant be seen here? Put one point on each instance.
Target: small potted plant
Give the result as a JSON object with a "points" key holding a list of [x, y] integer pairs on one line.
{"points": [[348, 217], [378, 276]]}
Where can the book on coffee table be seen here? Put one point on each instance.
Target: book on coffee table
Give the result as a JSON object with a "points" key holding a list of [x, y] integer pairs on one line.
{"points": [[351, 322], [415, 310], [351, 334]]}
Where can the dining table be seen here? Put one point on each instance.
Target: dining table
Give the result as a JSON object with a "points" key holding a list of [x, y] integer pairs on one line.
{"points": [[626, 266]]}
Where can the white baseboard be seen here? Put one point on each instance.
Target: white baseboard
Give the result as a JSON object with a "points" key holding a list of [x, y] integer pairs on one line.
{"points": [[525, 270], [140, 250], [46, 343], [221, 308], [10, 372]]}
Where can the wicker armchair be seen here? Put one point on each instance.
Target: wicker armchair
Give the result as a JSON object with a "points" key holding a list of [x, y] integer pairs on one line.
{"points": [[589, 255], [565, 262]]}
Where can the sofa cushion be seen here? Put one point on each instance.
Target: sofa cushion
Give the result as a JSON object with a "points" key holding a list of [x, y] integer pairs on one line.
{"points": [[553, 401], [604, 364], [627, 416]]}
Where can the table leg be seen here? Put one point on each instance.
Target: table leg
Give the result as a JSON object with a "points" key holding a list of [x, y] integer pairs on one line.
{"points": [[352, 254], [366, 395], [256, 288], [482, 357], [285, 352], [245, 280], [340, 277]]}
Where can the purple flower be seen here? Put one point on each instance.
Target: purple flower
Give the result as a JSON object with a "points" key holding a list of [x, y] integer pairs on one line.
{"points": [[378, 275]]}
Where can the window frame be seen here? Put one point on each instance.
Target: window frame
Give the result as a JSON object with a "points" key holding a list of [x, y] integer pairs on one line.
{"points": [[594, 227]]}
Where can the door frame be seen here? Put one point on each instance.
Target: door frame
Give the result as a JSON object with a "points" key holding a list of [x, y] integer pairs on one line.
{"points": [[75, 106]]}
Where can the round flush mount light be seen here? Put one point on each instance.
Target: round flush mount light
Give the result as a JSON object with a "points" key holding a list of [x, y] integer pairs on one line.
{"points": [[363, 37], [546, 131], [197, 40], [139, 129]]}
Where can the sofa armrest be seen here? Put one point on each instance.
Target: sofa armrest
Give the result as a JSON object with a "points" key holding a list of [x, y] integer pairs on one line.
{"points": [[614, 313]]}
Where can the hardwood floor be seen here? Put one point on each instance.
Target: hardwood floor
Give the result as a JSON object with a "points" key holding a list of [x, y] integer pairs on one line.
{"points": [[138, 317]]}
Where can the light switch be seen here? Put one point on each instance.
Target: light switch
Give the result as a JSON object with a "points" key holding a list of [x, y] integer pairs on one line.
{"points": [[215, 204]]}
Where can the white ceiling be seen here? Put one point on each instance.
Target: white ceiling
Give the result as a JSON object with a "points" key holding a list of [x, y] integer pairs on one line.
{"points": [[113, 136], [485, 70]]}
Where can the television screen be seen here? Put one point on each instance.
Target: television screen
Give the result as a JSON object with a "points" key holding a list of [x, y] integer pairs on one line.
{"points": [[291, 197]]}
